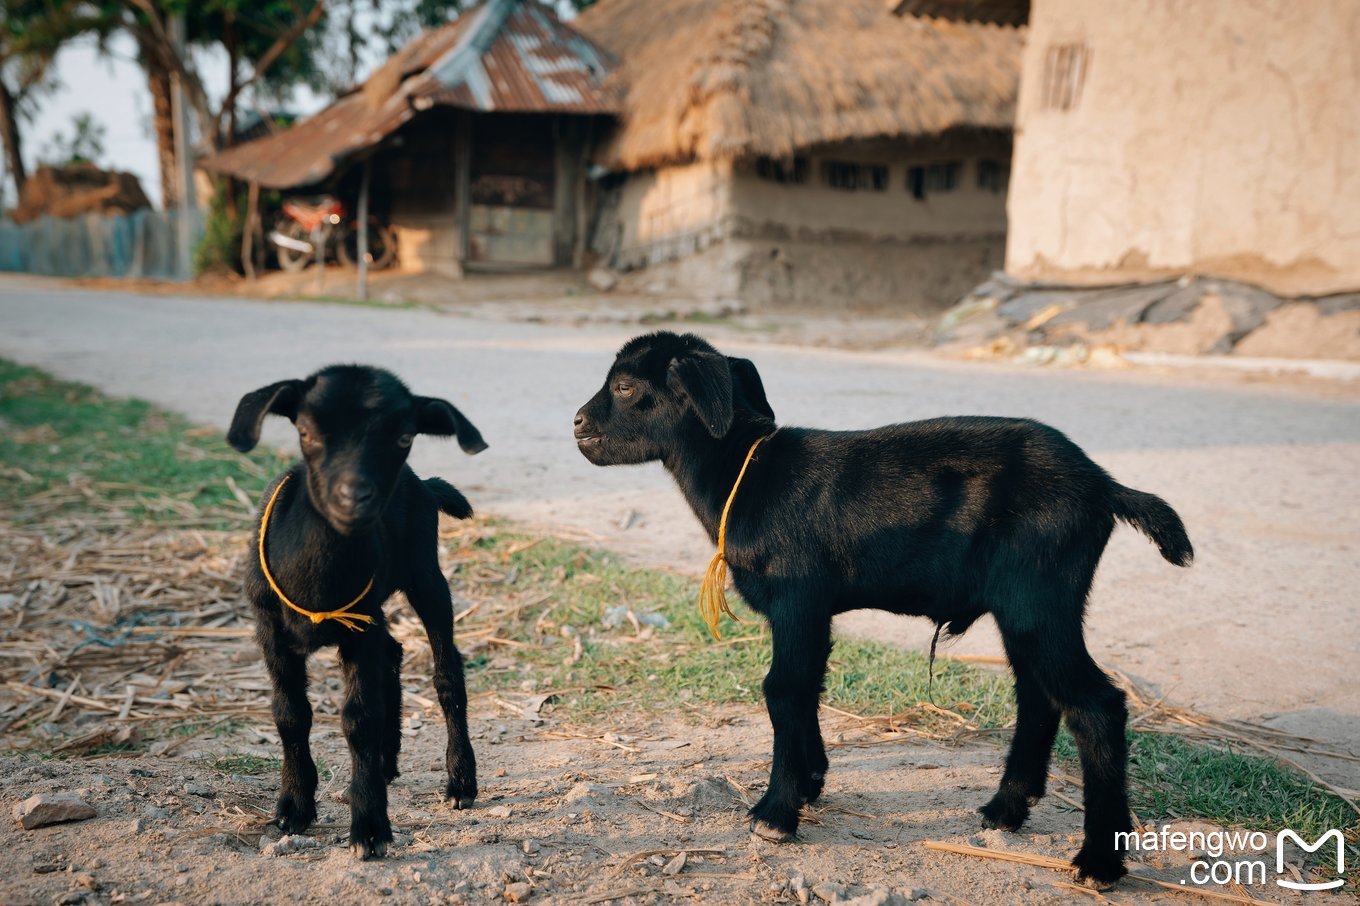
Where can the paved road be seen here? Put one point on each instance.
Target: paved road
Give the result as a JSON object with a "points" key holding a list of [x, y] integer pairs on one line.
{"points": [[1266, 623]]}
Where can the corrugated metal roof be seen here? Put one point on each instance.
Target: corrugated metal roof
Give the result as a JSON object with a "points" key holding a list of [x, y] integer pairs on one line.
{"points": [[998, 12], [505, 55]]}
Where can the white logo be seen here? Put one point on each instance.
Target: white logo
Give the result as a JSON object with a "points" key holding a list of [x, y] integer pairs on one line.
{"points": [[1286, 835]]}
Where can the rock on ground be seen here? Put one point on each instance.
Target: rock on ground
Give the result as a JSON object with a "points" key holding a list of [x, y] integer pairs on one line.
{"points": [[52, 808]]}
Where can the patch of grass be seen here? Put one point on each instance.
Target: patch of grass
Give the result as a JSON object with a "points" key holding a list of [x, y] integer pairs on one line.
{"points": [[250, 765], [112, 748], [682, 665], [67, 450], [1170, 776], [325, 299]]}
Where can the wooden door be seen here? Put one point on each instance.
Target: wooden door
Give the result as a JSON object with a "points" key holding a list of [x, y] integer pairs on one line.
{"points": [[511, 216]]}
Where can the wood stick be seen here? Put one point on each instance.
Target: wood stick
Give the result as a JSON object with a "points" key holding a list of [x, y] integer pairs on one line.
{"points": [[643, 854], [65, 697]]}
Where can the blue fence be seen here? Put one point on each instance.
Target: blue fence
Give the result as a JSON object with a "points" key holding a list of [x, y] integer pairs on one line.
{"points": [[141, 244]]}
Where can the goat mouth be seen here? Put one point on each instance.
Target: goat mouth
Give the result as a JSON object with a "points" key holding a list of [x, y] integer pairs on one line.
{"points": [[348, 523], [589, 440]]}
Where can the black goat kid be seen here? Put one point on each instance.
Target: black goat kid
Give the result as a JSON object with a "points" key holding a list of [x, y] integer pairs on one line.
{"points": [[351, 519], [948, 518]]}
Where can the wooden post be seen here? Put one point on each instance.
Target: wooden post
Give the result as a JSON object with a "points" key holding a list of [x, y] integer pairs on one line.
{"points": [[363, 229], [248, 230], [463, 184], [319, 235]]}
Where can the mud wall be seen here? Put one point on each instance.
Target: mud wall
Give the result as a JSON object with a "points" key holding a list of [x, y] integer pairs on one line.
{"points": [[1158, 137], [736, 230]]}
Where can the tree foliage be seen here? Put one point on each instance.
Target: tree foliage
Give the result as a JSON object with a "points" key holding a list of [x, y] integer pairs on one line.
{"points": [[84, 143]]}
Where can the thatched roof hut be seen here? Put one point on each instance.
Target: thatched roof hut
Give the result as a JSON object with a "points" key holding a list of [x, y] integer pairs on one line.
{"points": [[729, 79]]}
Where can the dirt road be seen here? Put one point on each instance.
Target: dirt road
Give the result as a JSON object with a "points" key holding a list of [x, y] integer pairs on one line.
{"points": [[1263, 626]]}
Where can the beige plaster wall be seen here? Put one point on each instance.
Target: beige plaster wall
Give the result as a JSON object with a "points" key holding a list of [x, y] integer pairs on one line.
{"points": [[1214, 136], [659, 205], [814, 210]]}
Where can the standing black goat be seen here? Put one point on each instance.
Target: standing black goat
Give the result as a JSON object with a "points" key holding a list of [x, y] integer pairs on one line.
{"points": [[948, 518], [352, 518]]}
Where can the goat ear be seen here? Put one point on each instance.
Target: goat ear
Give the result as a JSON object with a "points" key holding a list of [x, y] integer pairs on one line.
{"points": [[749, 383], [706, 378], [442, 418], [276, 399]]}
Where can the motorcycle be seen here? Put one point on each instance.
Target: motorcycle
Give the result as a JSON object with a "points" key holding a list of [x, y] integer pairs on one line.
{"points": [[305, 224]]}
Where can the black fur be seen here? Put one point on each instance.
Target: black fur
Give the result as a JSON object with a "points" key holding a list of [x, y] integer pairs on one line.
{"points": [[353, 509], [948, 518]]}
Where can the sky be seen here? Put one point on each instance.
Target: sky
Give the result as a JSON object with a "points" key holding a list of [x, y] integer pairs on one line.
{"points": [[111, 87]]}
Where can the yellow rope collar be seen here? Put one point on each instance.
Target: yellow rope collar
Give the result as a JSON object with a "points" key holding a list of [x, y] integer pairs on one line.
{"points": [[713, 591], [342, 615]]}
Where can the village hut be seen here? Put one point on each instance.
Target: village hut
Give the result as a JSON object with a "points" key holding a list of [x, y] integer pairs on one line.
{"points": [[471, 142], [821, 152]]}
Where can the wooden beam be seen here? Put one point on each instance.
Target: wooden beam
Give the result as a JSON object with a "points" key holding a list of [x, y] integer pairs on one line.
{"points": [[363, 228], [248, 231], [463, 184]]}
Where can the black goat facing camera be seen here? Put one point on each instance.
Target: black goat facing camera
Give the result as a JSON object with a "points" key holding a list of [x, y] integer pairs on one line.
{"points": [[949, 518], [351, 518]]}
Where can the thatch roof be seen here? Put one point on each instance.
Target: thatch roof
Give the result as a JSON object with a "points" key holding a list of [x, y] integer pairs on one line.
{"points": [[510, 56], [712, 79]]}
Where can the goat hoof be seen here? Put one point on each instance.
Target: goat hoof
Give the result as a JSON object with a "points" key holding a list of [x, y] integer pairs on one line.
{"points": [[1004, 814], [293, 816], [767, 831], [1098, 870], [460, 795], [369, 836], [367, 851]]}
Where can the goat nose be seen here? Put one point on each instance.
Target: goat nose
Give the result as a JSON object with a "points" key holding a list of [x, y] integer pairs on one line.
{"points": [[354, 493], [579, 420]]}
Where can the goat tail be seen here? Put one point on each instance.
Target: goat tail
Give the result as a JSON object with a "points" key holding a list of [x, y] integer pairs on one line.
{"points": [[448, 498], [1155, 518]]}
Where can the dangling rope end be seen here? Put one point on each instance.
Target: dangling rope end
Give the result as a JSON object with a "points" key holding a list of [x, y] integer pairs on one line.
{"points": [[713, 594]]}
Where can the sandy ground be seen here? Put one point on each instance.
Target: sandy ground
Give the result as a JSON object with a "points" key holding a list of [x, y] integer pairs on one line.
{"points": [[578, 819], [1264, 471]]}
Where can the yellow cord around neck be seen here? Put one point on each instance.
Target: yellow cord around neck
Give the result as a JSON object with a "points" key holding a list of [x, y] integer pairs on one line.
{"points": [[341, 615], [713, 591]]}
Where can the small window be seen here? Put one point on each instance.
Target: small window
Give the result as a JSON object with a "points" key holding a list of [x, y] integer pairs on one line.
{"points": [[789, 171], [852, 177], [932, 179], [1064, 75], [992, 175]]}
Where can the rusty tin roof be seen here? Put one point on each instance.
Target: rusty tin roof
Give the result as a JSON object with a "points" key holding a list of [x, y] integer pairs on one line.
{"points": [[512, 56]]}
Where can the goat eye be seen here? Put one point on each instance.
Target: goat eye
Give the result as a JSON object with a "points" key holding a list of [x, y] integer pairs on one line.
{"points": [[405, 440], [624, 390]]}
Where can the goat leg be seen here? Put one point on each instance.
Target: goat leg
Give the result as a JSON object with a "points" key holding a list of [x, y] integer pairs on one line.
{"points": [[432, 602], [296, 808], [792, 688], [364, 662]]}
